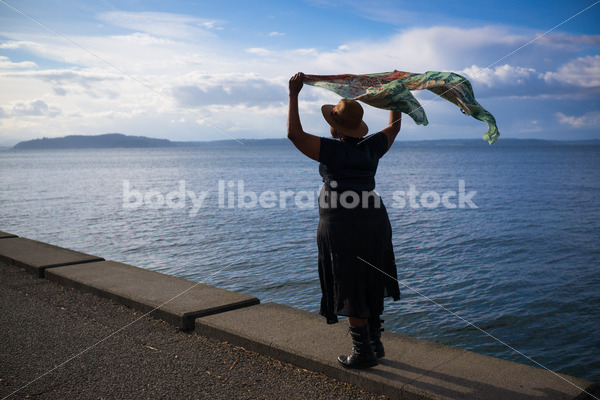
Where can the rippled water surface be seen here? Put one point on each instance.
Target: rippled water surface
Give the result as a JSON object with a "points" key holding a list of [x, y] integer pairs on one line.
{"points": [[524, 266]]}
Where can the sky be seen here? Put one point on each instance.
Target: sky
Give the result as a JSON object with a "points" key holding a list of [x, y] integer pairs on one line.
{"points": [[213, 70]]}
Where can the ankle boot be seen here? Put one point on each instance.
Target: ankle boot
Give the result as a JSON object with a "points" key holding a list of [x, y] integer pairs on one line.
{"points": [[375, 330], [362, 355]]}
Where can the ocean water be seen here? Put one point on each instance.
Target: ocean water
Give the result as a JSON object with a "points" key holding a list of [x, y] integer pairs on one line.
{"points": [[515, 256]]}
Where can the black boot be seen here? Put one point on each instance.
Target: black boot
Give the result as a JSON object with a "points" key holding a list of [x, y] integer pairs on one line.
{"points": [[375, 330], [362, 355]]}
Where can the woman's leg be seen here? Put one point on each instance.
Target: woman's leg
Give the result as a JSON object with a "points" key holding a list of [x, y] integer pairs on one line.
{"points": [[375, 330], [362, 355], [353, 321], [357, 322]]}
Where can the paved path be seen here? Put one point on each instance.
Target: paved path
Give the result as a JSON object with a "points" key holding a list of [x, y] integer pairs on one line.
{"points": [[69, 345]]}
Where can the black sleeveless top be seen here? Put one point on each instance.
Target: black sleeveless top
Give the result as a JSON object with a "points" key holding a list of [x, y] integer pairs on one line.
{"points": [[351, 164]]}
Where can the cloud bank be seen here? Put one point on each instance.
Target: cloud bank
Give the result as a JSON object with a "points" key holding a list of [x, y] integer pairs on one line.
{"points": [[137, 81]]}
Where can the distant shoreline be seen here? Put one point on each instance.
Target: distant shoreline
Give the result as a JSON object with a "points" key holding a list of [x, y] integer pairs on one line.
{"points": [[118, 140]]}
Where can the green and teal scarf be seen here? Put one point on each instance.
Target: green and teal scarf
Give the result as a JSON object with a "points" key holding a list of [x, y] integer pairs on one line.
{"points": [[391, 91]]}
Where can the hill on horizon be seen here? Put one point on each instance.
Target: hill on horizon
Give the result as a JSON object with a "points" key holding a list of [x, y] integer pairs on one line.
{"points": [[119, 140], [108, 140]]}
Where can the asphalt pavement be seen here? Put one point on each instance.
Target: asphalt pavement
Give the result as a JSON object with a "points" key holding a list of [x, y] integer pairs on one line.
{"points": [[60, 343]]}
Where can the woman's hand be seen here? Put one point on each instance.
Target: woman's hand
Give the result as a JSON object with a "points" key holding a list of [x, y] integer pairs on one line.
{"points": [[296, 83]]}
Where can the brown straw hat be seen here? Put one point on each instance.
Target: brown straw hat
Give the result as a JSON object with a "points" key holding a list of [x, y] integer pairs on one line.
{"points": [[346, 118]]}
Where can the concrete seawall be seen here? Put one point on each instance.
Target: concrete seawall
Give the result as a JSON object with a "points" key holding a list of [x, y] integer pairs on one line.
{"points": [[412, 368]]}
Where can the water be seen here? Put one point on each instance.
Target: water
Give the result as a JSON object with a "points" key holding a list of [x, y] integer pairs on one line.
{"points": [[523, 266]]}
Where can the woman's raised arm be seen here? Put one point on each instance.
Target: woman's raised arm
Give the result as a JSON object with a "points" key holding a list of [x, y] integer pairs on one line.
{"points": [[391, 131], [308, 144]]}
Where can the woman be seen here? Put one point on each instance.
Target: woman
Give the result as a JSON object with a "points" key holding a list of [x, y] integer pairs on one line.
{"points": [[356, 259]]}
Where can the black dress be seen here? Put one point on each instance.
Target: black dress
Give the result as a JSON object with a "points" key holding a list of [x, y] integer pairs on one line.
{"points": [[357, 268]]}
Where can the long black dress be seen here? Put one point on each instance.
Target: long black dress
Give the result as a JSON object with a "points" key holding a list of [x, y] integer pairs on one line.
{"points": [[357, 268]]}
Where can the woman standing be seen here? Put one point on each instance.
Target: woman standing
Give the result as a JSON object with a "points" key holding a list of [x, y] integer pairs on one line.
{"points": [[356, 259]]}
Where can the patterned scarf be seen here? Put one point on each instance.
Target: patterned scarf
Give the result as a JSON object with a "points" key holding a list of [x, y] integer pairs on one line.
{"points": [[391, 91]]}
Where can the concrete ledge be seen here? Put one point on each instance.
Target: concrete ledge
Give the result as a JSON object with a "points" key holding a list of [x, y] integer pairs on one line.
{"points": [[412, 368], [147, 290], [5, 235], [36, 256]]}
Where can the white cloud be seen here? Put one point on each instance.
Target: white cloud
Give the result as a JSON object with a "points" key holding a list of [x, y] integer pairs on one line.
{"points": [[142, 39], [583, 72], [579, 78], [196, 89], [438, 48], [175, 26], [85, 78], [91, 83], [136, 52], [34, 108], [5, 63], [568, 40], [259, 51], [588, 120], [501, 75], [276, 34], [40, 46]]}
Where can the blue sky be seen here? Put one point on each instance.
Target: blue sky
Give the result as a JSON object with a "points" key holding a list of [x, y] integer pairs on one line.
{"points": [[108, 66]]}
